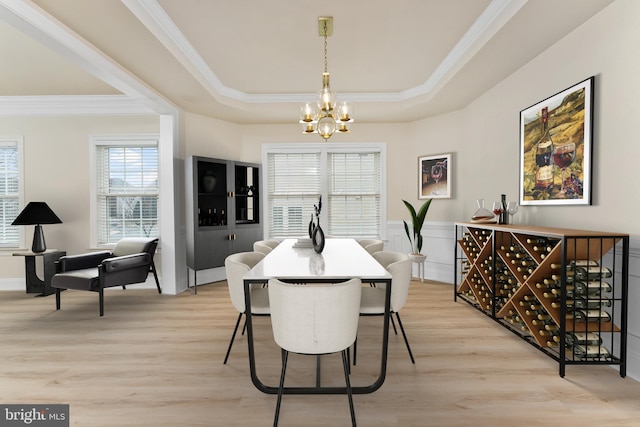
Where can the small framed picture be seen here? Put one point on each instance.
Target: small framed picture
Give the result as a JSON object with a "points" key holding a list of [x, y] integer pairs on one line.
{"points": [[434, 176], [555, 148]]}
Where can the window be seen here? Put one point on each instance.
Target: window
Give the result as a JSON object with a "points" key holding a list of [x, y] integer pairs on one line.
{"points": [[349, 177], [126, 188], [293, 187], [354, 194], [10, 190]]}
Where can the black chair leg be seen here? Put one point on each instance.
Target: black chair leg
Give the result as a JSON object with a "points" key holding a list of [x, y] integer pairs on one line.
{"points": [[355, 350], [285, 355], [233, 337], [395, 331], [57, 298], [406, 341], [345, 364], [155, 276], [101, 292]]}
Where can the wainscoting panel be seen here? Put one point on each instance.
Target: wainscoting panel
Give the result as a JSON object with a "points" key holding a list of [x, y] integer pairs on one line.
{"points": [[438, 238]]}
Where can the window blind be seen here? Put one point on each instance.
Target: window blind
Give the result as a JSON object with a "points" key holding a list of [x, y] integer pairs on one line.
{"points": [[9, 194], [127, 191], [349, 178], [354, 194], [294, 185]]}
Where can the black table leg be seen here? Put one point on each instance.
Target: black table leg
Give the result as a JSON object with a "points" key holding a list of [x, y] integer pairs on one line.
{"points": [[318, 390]]}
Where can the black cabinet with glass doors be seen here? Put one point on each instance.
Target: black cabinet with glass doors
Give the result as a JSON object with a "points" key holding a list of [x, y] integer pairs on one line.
{"points": [[223, 210]]}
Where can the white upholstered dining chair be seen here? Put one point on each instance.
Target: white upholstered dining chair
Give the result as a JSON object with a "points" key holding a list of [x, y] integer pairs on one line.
{"points": [[373, 298], [236, 266], [372, 245], [265, 246], [315, 318]]}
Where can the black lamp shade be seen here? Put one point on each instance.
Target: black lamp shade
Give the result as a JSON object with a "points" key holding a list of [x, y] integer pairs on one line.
{"points": [[36, 213]]}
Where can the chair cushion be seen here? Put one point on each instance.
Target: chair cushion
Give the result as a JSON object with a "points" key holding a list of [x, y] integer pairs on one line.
{"points": [[85, 279], [132, 245]]}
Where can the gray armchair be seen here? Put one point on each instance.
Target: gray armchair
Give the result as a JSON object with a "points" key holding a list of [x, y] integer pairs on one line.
{"points": [[130, 262]]}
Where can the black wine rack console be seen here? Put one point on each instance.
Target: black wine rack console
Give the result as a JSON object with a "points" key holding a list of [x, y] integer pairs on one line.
{"points": [[563, 291]]}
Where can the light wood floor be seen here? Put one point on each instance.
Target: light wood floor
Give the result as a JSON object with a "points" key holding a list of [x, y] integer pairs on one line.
{"points": [[157, 360]]}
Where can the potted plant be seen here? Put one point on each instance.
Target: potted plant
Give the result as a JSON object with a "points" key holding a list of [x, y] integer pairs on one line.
{"points": [[417, 220]]}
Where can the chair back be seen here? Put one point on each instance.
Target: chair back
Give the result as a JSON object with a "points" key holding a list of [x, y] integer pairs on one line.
{"points": [[399, 265], [372, 245], [265, 246], [315, 318], [135, 245], [236, 266]]}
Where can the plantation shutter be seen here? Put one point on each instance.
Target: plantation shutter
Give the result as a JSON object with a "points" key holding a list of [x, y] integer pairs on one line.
{"points": [[354, 194], [9, 194], [293, 187]]}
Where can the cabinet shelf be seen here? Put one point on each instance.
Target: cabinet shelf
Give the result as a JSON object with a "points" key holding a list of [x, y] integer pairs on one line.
{"points": [[519, 277]]}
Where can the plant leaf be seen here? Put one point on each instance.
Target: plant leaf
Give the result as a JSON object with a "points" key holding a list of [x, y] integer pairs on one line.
{"points": [[423, 211], [406, 229], [412, 211]]}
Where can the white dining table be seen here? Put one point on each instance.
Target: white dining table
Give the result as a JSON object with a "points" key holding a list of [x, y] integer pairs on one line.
{"points": [[293, 261]]}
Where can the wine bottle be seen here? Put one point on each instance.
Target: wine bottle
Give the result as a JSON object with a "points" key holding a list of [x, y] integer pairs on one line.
{"points": [[590, 304], [592, 287], [505, 213], [582, 263], [215, 219], [209, 219], [544, 157], [582, 338], [579, 315], [591, 351], [592, 273]]}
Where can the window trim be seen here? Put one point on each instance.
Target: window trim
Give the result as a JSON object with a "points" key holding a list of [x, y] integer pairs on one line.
{"points": [[324, 148], [96, 141], [18, 142]]}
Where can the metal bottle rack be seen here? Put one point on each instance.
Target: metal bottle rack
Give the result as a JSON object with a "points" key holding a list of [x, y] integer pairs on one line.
{"points": [[523, 278]]}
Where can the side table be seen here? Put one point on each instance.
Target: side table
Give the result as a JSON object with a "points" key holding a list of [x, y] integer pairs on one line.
{"points": [[33, 282]]}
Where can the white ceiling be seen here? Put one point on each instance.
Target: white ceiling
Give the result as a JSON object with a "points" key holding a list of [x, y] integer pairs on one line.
{"points": [[257, 61]]}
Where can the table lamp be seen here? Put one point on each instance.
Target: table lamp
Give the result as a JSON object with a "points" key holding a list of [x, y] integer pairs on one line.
{"points": [[37, 213]]}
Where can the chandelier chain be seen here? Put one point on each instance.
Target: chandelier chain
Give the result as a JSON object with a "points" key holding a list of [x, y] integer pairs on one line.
{"points": [[325, 47]]}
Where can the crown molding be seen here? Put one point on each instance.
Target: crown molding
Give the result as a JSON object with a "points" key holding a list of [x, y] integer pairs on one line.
{"points": [[158, 22], [75, 105], [46, 29]]}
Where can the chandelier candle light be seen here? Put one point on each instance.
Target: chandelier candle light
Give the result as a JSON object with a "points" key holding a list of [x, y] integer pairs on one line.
{"points": [[326, 116]]}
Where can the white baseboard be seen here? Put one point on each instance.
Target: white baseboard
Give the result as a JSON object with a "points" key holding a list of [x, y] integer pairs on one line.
{"points": [[13, 284], [633, 356]]}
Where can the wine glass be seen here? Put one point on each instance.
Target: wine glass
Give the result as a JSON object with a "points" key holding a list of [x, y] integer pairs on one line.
{"points": [[436, 174], [512, 209], [563, 156], [497, 208]]}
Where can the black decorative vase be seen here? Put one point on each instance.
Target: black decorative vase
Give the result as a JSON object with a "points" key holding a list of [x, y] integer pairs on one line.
{"points": [[318, 239], [312, 226]]}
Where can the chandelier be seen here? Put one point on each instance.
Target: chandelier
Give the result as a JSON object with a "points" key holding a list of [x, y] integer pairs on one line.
{"points": [[326, 116]]}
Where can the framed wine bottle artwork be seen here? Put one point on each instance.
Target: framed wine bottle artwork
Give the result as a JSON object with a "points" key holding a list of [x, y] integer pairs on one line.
{"points": [[556, 148], [435, 174]]}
